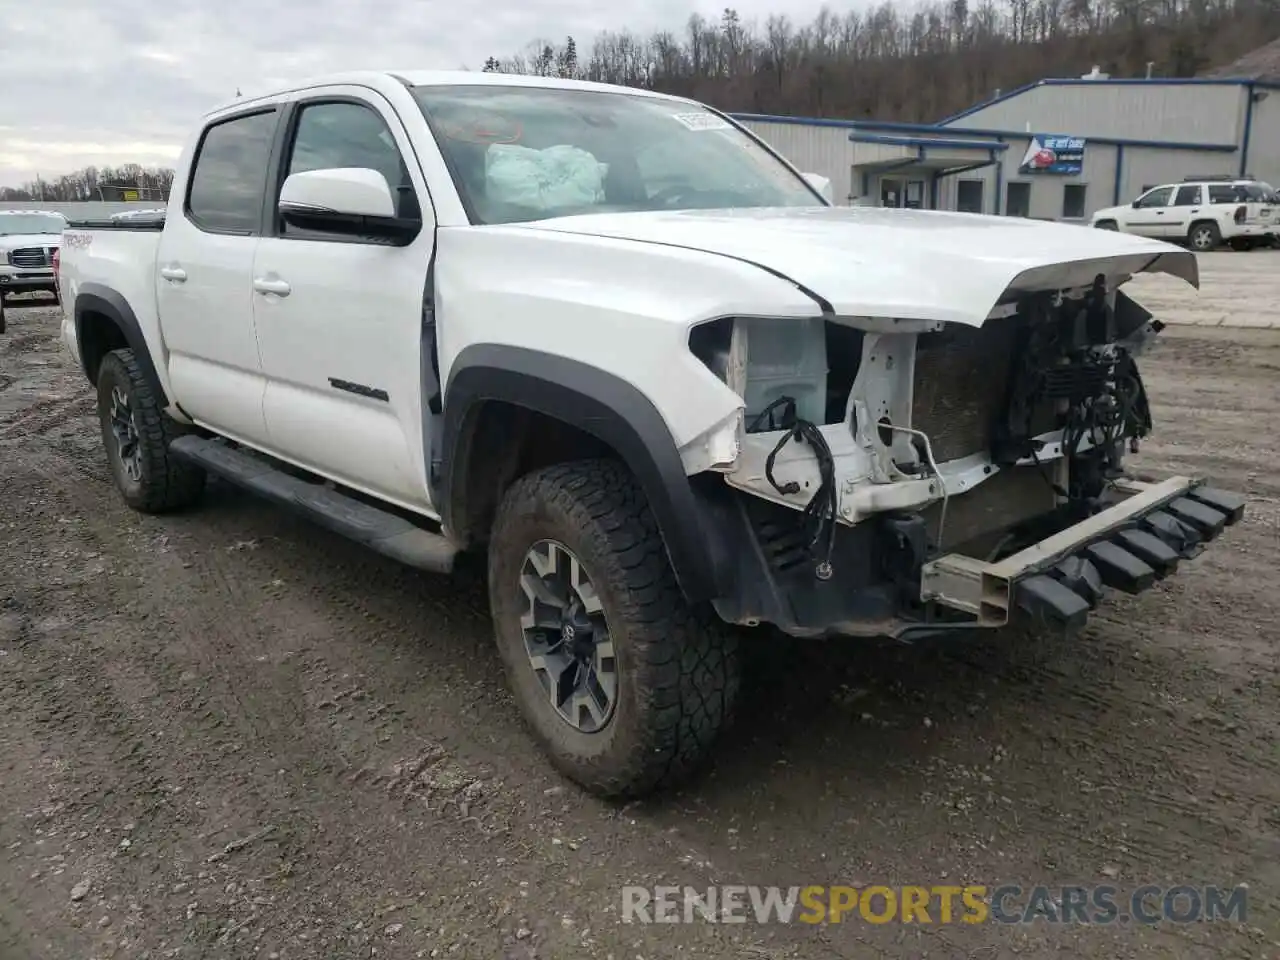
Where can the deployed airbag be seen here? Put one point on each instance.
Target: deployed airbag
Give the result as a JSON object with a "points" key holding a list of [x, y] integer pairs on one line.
{"points": [[557, 177]]}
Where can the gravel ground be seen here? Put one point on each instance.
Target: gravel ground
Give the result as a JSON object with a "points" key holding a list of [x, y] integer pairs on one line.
{"points": [[1236, 290], [231, 734]]}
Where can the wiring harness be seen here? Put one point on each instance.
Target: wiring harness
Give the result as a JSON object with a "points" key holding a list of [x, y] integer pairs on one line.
{"points": [[819, 514]]}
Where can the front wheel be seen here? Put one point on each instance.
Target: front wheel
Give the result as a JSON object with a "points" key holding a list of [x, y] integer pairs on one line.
{"points": [[1106, 225], [624, 685], [1204, 237], [136, 433]]}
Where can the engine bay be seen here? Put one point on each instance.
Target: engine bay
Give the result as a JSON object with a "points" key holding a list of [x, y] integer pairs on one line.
{"points": [[852, 419]]}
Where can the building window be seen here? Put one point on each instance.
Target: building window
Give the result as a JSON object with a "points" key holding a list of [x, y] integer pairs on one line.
{"points": [[969, 196], [1073, 201], [1017, 199]]}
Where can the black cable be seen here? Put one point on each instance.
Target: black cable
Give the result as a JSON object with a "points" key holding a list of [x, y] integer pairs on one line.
{"points": [[819, 514]]}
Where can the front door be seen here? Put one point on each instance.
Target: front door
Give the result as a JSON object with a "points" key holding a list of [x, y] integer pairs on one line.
{"points": [[902, 193], [339, 319], [203, 269], [1149, 214]]}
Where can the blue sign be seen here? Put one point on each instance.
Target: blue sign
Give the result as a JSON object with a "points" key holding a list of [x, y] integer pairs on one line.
{"points": [[1049, 153]]}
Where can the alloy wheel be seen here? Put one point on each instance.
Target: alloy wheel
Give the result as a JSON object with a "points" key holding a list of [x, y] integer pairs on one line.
{"points": [[125, 431], [567, 638]]}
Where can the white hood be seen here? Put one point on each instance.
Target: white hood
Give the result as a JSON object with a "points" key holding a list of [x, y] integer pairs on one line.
{"points": [[14, 241], [908, 264]]}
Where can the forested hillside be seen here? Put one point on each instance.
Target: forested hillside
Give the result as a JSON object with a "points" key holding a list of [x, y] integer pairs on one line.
{"points": [[921, 63], [95, 183]]}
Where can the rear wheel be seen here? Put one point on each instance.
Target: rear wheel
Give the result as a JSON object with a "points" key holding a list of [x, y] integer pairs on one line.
{"points": [[1204, 236], [136, 433], [624, 685]]}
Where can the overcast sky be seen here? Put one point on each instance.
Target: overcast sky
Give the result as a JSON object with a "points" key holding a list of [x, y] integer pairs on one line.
{"points": [[113, 81]]}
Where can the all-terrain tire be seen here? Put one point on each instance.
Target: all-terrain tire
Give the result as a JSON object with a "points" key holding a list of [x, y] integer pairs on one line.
{"points": [[678, 668], [165, 483], [1204, 236]]}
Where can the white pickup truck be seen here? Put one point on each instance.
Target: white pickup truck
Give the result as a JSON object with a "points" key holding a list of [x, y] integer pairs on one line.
{"points": [[613, 342]]}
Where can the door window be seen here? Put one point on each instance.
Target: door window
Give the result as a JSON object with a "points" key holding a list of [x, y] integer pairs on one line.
{"points": [[1158, 197], [1187, 196], [345, 134], [229, 175]]}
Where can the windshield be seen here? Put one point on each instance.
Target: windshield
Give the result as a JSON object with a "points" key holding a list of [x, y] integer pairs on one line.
{"points": [[529, 153], [16, 224]]}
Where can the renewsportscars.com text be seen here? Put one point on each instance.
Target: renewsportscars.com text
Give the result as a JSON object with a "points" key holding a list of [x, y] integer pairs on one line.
{"points": [[940, 904]]}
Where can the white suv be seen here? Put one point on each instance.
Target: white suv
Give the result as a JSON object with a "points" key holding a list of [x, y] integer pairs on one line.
{"points": [[1203, 212]]}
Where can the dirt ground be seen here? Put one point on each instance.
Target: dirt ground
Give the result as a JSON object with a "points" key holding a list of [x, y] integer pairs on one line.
{"points": [[231, 734], [1240, 289]]}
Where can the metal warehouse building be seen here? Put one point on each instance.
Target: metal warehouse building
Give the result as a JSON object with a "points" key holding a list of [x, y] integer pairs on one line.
{"points": [[1057, 149]]}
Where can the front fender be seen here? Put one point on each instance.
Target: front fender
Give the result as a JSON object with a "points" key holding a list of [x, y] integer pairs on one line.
{"points": [[602, 405]]}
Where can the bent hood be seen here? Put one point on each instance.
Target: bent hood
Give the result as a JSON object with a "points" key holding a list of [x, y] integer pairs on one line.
{"points": [[907, 264]]}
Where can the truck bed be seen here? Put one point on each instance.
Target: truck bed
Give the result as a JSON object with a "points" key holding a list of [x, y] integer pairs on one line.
{"points": [[113, 260]]}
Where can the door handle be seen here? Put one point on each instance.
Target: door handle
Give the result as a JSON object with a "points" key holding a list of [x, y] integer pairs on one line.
{"points": [[1159, 213], [280, 288], [1195, 209], [176, 274]]}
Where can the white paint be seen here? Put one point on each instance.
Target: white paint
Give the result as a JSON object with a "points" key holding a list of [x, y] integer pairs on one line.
{"points": [[907, 264], [356, 191]]}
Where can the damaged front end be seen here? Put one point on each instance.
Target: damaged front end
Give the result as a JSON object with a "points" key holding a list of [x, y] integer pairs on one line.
{"points": [[900, 476]]}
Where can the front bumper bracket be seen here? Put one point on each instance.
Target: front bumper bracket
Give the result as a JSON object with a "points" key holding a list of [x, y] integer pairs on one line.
{"points": [[1127, 546]]}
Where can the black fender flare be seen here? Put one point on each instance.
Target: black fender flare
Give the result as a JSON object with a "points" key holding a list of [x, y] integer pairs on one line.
{"points": [[599, 404], [96, 298]]}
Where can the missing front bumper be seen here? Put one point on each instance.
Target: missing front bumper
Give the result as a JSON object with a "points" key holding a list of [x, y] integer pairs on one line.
{"points": [[1056, 582]]}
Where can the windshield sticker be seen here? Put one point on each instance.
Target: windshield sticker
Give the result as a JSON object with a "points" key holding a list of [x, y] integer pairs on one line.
{"points": [[482, 128], [702, 121]]}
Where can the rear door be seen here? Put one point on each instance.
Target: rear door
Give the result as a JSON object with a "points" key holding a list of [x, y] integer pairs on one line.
{"points": [[204, 268], [1150, 213], [1188, 204], [340, 318]]}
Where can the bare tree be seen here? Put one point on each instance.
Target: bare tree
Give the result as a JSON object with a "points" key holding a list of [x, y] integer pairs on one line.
{"points": [[96, 183], [915, 64]]}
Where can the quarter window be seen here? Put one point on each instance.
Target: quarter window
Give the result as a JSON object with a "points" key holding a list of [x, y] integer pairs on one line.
{"points": [[229, 177]]}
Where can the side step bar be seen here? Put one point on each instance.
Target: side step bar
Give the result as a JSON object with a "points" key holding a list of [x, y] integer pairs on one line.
{"points": [[380, 530], [1127, 546]]}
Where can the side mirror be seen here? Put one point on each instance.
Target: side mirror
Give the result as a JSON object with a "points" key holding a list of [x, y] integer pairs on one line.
{"points": [[821, 184], [351, 201], [1134, 204]]}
